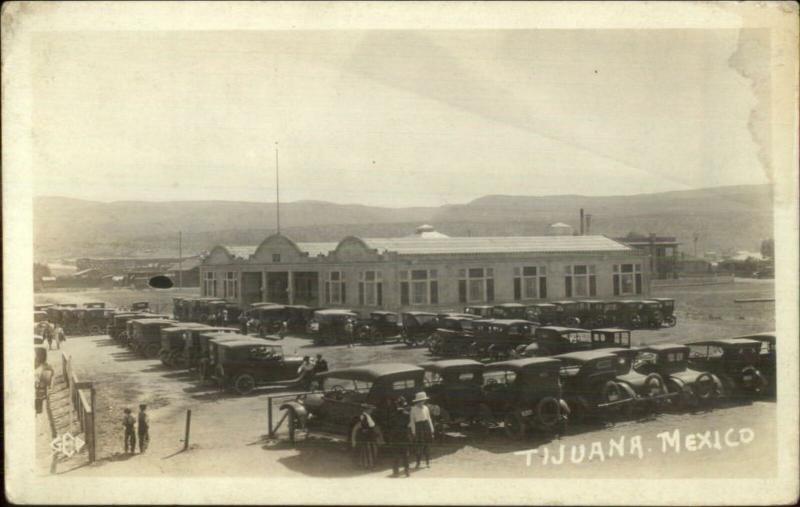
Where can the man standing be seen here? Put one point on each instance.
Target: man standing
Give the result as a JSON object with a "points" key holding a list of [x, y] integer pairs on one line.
{"points": [[306, 372], [128, 422], [60, 336], [350, 331], [47, 334], [144, 428]]}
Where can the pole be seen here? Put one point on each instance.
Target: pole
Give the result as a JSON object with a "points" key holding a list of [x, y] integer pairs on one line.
{"points": [[269, 417], [180, 259], [277, 190], [93, 442], [188, 427]]}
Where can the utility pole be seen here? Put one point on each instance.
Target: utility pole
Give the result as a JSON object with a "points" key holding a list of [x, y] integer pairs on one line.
{"points": [[277, 190], [695, 238], [180, 259]]}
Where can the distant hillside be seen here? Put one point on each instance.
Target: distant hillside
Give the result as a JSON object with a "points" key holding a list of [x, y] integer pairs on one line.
{"points": [[726, 218]]}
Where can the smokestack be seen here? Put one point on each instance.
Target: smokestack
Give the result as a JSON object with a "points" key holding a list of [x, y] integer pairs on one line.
{"points": [[588, 223], [581, 222]]}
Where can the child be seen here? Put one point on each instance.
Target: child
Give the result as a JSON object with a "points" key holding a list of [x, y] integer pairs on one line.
{"points": [[128, 422], [421, 426]]}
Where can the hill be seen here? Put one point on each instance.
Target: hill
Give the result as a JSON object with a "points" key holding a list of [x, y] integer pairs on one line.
{"points": [[726, 218]]}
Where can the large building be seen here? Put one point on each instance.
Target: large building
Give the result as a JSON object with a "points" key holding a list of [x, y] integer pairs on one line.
{"points": [[425, 270]]}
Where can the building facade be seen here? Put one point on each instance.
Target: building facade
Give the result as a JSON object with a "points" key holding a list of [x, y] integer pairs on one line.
{"points": [[662, 252], [425, 271]]}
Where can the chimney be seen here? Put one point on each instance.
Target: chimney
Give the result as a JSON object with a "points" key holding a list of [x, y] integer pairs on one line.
{"points": [[581, 222], [588, 223]]}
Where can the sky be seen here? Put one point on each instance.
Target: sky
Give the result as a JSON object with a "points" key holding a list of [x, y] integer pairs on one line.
{"points": [[396, 118]]}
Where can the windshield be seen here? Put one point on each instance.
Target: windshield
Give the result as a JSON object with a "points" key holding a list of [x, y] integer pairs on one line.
{"points": [[424, 319], [346, 384], [577, 337]]}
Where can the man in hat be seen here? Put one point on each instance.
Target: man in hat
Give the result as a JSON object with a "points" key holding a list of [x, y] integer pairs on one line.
{"points": [[399, 435], [421, 426], [128, 422], [144, 428]]}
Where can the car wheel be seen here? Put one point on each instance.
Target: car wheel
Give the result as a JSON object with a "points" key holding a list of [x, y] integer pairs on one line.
{"points": [[244, 384], [670, 321], [578, 409], [757, 383], [514, 425], [151, 350], [704, 387], [548, 413]]}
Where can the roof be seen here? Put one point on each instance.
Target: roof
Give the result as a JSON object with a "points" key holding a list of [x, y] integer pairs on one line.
{"points": [[611, 330], [585, 355], [727, 341], [765, 336], [311, 248], [456, 315], [246, 342], [496, 244], [658, 347], [335, 311], [561, 329], [510, 322], [415, 313], [155, 321], [217, 334], [372, 371], [522, 364], [545, 305], [510, 305], [184, 326], [187, 264], [447, 364]]}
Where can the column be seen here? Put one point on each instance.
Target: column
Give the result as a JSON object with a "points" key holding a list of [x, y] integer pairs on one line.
{"points": [[290, 286], [263, 286]]}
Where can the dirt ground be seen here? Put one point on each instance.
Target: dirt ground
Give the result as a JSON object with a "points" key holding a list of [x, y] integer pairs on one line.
{"points": [[229, 433]]}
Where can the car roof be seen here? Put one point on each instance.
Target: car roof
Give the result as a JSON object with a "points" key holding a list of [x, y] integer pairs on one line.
{"points": [[154, 321], [372, 371], [522, 364], [726, 341], [585, 355], [246, 342], [509, 322], [628, 301], [546, 305], [564, 301], [173, 329], [463, 316], [216, 334], [611, 330], [335, 311], [510, 305], [479, 306], [593, 301], [658, 347], [215, 329], [617, 350], [663, 299], [452, 364], [768, 336], [420, 313], [382, 312], [561, 329]]}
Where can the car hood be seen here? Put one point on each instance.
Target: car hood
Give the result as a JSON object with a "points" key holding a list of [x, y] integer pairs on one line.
{"points": [[633, 378], [687, 376]]}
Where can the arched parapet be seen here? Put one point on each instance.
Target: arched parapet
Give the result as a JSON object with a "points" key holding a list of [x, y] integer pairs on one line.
{"points": [[219, 255], [278, 249], [352, 248]]}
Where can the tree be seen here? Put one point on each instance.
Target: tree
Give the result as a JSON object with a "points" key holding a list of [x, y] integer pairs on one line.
{"points": [[768, 248]]}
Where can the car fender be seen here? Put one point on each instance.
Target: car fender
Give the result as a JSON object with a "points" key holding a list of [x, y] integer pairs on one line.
{"points": [[298, 408], [627, 388]]}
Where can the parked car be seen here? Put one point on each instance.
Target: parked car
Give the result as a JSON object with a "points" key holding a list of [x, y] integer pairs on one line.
{"points": [[553, 340], [648, 391], [242, 365], [568, 313], [611, 314], [346, 393], [42, 307], [502, 337], [327, 327], [173, 342], [453, 337], [380, 326], [196, 347], [94, 320], [223, 313], [667, 311], [766, 357], [209, 341], [545, 314], [515, 311], [268, 319], [140, 306], [591, 313], [630, 313], [146, 336], [116, 326], [200, 308], [734, 361], [416, 327], [298, 317], [650, 314], [695, 387], [39, 316], [96, 304], [589, 379], [608, 337], [480, 311], [456, 387], [525, 394]]}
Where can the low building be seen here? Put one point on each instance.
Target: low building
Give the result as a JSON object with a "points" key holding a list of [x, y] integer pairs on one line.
{"points": [[425, 270], [661, 250], [186, 273]]}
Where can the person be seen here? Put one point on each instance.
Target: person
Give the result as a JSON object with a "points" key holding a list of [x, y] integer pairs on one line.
{"points": [[320, 366], [48, 335], [128, 422], [349, 329], [60, 336], [421, 426], [366, 439], [224, 317], [399, 435], [144, 428], [306, 372], [44, 378], [284, 329]]}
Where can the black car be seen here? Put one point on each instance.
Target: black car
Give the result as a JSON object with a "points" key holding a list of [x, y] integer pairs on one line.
{"points": [[417, 327]]}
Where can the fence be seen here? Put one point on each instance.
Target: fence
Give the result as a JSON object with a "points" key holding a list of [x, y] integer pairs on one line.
{"points": [[82, 399], [271, 425]]}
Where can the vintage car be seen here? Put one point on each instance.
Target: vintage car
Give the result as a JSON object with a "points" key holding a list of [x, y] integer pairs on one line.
{"points": [[479, 311], [244, 364], [670, 360], [568, 312], [346, 393], [514, 311], [552, 340], [453, 337], [650, 314], [94, 320], [327, 327], [39, 316], [140, 306], [766, 357], [126, 336], [734, 361], [630, 313], [180, 310], [611, 314], [223, 313], [195, 341], [298, 316], [608, 337], [116, 325], [667, 311], [525, 394], [173, 342], [456, 387], [380, 326], [592, 313], [545, 314], [649, 392], [416, 327], [266, 319], [146, 337], [200, 308], [500, 337], [589, 380], [209, 341]]}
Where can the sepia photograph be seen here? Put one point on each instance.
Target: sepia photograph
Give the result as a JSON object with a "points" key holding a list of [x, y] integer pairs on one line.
{"points": [[400, 253]]}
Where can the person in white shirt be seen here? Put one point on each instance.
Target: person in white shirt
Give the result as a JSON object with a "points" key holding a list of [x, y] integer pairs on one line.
{"points": [[421, 426], [306, 372]]}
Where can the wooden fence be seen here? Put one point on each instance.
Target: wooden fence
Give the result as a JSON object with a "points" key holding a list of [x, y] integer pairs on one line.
{"points": [[82, 398]]}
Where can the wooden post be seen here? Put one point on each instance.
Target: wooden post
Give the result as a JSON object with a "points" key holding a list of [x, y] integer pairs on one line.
{"points": [[188, 427], [271, 433], [93, 436]]}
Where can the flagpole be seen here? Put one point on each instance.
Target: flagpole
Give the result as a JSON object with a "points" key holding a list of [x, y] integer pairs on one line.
{"points": [[277, 190]]}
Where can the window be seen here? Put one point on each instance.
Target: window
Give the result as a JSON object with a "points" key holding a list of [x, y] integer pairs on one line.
{"points": [[627, 279], [231, 286], [276, 257], [210, 285], [402, 385], [476, 285], [579, 281], [419, 287], [530, 282], [370, 288], [335, 290]]}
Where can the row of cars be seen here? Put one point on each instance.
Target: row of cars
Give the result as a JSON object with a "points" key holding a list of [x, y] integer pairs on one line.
{"points": [[74, 319], [542, 392]]}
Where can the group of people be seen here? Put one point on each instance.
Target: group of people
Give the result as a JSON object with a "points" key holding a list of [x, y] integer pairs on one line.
{"points": [[51, 333], [309, 368], [134, 426], [409, 429]]}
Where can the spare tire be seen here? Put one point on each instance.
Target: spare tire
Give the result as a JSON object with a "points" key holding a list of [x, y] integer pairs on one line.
{"points": [[548, 412], [703, 386], [758, 382], [654, 385]]}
